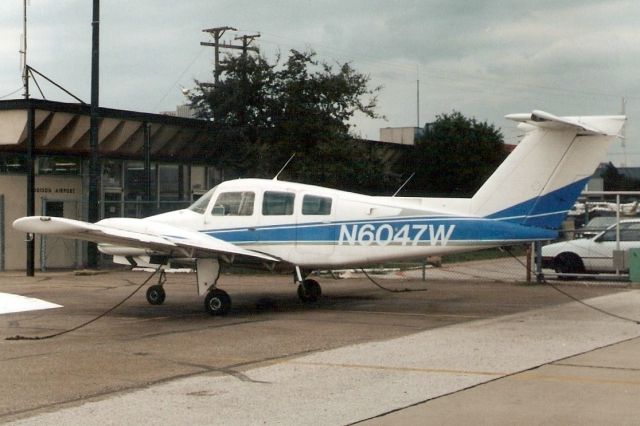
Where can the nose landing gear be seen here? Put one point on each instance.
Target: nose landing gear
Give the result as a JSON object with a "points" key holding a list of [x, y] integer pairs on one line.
{"points": [[156, 293]]}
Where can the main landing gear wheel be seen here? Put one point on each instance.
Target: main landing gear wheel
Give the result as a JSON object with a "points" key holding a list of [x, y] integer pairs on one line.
{"points": [[217, 302], [309, 291], [156, 295]]}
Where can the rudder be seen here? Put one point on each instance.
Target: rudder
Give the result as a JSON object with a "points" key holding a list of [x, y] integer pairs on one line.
{"points": [[541, 179]]}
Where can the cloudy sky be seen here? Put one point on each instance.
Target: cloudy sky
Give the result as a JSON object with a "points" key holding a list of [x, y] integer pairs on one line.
{"points": [[483, 58]]}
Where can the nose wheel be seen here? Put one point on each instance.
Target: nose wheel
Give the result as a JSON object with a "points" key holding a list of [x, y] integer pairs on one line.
{"points": [[156, 293]]}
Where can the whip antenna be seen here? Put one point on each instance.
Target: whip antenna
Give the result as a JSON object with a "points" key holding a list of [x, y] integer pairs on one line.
{"points": [[403, 185], [284, 167]]}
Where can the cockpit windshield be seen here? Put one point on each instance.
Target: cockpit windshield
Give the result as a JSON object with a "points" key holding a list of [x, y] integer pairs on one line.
{"points": [[200, 205]]}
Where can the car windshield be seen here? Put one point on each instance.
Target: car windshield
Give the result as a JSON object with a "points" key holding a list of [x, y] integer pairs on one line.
{"points": [[601, 222], [629, 231], [200, 205]]}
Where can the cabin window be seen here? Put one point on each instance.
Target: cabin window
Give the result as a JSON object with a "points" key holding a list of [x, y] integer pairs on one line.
{"points": [[234, 204], [315, 205], [277, 203]]}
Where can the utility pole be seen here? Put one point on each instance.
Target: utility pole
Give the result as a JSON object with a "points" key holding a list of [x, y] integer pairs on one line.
{"points": [[418, 97], [94, 160], [246, 41], [216, 33], [23, 52], [623, 136], [31, 199]]}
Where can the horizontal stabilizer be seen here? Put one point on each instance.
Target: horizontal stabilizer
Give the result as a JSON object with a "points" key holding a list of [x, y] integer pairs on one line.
{"points": [[597, 125]]}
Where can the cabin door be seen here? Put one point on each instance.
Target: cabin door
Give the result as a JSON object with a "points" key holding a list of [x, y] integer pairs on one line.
{"points": [[316, 230]]}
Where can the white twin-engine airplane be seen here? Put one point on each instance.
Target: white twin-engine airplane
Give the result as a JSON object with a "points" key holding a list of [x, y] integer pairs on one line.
{"points": [[303, 228]]}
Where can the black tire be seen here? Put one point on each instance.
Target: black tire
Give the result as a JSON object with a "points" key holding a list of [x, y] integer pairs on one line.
{"points": [[217, 302], [568, 263], [309, 291], [156, 295]]}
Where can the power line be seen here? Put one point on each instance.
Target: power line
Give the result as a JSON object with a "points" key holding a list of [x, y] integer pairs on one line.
{"points": [[193, 61], [12, 93]]}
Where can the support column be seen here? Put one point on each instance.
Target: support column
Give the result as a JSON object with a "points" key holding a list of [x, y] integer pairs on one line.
{"points": [[94, 160], [31, 199], [147, 169]]}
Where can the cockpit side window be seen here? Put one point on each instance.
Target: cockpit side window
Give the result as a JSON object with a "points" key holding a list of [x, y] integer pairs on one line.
{"points": [[316, 205], [200, 205], [234, 204], [277, 203]]}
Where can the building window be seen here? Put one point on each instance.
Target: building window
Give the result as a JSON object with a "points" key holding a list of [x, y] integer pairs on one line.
{"points": [[234, 204], [277, 203], [58, 166], [198, 179], [170, 182], [314, 205], [214, 177], [13, 163], [112, 174], [135, 187]]}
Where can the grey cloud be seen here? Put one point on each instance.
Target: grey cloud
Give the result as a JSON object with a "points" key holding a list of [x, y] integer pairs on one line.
{"points": [[485, 58]]}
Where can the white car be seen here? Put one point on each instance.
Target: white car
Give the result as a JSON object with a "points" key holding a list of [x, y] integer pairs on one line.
{"points": [[591, 254]]}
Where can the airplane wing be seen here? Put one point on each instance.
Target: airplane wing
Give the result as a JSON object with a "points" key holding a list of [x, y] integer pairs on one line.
{"points": [[139, 233]]}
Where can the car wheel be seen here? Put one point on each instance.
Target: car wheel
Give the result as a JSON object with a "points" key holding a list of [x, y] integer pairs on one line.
{"points": [[568, 263]]}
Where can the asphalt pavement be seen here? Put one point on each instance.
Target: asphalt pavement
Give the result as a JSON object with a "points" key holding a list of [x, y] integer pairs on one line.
{"points": [[467, 351]]}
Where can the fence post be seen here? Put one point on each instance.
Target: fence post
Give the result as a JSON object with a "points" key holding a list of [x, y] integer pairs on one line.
{"points": [[2, 236], [43, 244], [529, 254], [538, 253]]}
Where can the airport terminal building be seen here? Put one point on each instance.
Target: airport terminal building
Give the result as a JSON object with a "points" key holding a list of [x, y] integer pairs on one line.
{"points": [[150, 163]]}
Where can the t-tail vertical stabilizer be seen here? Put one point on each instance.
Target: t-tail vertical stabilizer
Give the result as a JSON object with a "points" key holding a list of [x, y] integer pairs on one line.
{"points": [[541, 179]]}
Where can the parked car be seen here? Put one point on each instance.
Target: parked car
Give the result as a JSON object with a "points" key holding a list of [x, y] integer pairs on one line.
{"points": [[591, 254], [595, 226]]}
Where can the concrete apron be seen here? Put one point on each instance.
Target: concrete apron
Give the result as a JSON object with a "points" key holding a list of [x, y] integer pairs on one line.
{"points": [[357, 382]]}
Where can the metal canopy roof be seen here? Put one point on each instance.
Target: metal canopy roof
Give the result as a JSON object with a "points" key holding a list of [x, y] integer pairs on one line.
{"points": [[63, 128]]}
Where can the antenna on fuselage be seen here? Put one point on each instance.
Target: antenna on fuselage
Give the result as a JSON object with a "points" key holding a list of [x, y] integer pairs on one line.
{"points": [[284, 167], [403, 185]]}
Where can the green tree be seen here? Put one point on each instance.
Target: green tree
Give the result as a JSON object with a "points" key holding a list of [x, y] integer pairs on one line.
{"points": [[266, 112], [455, 155]]}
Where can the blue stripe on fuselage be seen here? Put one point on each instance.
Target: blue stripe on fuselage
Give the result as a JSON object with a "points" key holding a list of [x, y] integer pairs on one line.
{"points": [[431, 230]]}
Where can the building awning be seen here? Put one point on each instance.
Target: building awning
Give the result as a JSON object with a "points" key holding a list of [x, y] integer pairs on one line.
{"points": [[63, 128]]}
